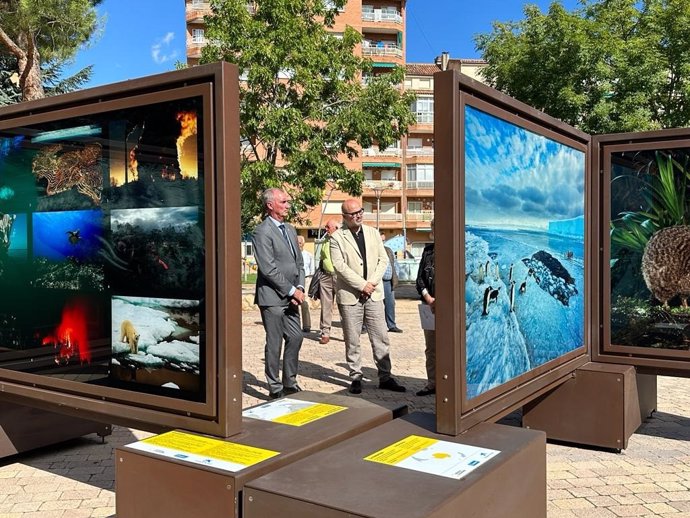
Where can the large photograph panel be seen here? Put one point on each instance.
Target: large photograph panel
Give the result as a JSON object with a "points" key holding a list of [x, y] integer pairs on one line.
{"points": [[650, 249], [524, 250], [97, 208]]}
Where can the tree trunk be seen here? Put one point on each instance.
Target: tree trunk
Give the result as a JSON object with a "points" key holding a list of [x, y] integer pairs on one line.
{"points": [[31, 85], [30, 80]]}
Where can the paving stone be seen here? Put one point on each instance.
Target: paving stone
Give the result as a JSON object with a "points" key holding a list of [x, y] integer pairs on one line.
{"points": [[649, 479]]}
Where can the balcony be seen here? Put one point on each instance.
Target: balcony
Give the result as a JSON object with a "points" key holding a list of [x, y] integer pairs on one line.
{"points": [[420, 151], [369, 14], [194, 49], [424, 117], [420, 216], [385, 185], [375, 151], [384, 217], [196, 11], [382, 49], [421, 184]]}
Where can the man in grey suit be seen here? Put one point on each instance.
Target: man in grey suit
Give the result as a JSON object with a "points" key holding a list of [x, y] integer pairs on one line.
{"points": [[279, 291], [360, 260]]}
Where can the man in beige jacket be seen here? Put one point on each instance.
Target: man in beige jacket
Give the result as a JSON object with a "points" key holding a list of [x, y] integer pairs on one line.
{"points": [[360, 260]]}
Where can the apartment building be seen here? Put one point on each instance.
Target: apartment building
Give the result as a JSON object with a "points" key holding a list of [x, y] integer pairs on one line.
{"points": [[398, 188]]}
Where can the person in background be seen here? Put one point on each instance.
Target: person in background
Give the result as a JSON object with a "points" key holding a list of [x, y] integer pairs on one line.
{"points": [[426, 290], [279, 291], [359, 260], [309, 270], [390, 282], [327, 283]]}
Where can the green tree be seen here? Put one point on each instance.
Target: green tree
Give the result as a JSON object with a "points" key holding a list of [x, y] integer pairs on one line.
{"points": [[607, 66], [41, 36], [52, 75], [302, 103]]}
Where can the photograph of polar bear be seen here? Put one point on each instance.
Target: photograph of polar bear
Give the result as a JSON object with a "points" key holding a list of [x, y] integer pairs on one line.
{"points": [[157, 343]]}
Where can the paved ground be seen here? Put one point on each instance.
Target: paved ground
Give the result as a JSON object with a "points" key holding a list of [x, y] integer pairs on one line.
{"points": [[650, 478]]}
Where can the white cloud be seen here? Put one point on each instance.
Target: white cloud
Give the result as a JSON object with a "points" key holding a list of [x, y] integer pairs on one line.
{"points": [[160, 50]]}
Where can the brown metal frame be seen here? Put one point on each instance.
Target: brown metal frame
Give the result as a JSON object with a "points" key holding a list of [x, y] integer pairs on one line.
{"points": [[662, 361], [454, 412], [220, 413]]}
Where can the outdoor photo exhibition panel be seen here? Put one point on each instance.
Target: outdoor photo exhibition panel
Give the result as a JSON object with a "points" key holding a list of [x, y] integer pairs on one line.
{"points": [[113, 223], [644, 271], [512, 240]]}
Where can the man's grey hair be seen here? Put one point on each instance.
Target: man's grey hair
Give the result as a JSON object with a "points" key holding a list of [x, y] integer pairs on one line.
{"points": [[268, 196]]}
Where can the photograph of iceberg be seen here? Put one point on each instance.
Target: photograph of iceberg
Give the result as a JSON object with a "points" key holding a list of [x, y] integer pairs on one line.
{"points": [[524, 250], [650, 248]]}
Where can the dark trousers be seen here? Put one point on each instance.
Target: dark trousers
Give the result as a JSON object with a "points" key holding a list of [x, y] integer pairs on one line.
{"points": [[281, 323]]}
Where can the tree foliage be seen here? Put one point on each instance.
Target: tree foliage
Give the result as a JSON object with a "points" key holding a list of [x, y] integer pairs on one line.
{"points": [[40, 37], [53, 80], [607, 66], [303, 106]]}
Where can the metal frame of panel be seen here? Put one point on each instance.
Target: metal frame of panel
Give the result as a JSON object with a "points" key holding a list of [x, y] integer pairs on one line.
{"points": [[220, 413], [455, 413]]}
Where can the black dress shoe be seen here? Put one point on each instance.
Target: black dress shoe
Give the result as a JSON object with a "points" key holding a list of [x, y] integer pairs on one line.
{"points": [[391, 384], [292, 390], [426, 391], [395, 330], [356, 387], [276, 395]]}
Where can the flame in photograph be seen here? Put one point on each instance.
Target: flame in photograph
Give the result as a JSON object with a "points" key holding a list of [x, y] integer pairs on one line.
{"points": [[186, 144], [71, 337]]}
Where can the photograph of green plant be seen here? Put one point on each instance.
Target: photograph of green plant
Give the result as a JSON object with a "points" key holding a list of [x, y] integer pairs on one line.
{"points": [[650, 248]]}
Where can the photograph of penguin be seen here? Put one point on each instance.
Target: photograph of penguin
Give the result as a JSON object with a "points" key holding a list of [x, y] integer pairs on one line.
{"points": [[512, 294], [523, 287], [488, 265], [498, 272], [510, 273], [481, 273], [487, 295], [493, 296]]}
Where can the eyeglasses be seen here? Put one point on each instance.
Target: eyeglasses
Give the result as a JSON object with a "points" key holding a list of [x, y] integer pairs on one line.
{"points": [[355, 213]]}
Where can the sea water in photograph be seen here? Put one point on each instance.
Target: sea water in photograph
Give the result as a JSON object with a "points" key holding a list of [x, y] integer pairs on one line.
{"points": [[524, 250]]}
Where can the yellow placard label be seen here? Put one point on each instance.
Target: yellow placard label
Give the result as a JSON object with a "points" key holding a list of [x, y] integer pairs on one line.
{"points": [[309, 414], [211, 448], [401, 450]]}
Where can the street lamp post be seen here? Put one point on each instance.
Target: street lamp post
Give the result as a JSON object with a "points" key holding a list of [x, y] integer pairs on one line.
{"points": [[378, 191]]}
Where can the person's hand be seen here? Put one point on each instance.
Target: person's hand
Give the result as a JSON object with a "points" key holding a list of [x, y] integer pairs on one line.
{"points": [[297, 297], [368, 289], [431, 301]]}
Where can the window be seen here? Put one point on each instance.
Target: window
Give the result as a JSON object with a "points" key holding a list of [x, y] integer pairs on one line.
{"points": [[388, 175], [388, 207], [414, 143], [423, 108], [420, 173], [198, 36], [414, 206]]}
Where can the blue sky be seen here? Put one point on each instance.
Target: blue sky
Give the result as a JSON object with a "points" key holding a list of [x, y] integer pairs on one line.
{"points": [[517, 179], [141, 38]]}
